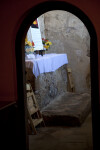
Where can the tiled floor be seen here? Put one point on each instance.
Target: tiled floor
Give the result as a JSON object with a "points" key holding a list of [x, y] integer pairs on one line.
{"points": [[63, 138]]}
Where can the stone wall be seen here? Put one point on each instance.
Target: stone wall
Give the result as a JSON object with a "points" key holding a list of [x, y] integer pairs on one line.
{"points": [[69, 35], [48, 86]]}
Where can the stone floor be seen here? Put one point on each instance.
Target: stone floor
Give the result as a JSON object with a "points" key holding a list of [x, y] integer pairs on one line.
{"points": [[63, 138]]}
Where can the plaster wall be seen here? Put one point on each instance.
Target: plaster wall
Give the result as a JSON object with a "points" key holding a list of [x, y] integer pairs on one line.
{"points": [[69, 35]]}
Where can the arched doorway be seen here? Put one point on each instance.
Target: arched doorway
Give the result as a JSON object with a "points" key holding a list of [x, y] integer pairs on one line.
{"points": [[29, 17]]}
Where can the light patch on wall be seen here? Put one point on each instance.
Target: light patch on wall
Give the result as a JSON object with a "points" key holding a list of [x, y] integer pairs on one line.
{"points": [[79, 55]]}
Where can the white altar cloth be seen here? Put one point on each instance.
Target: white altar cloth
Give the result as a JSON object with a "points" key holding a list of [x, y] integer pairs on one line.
{"points": [[47, 62]]}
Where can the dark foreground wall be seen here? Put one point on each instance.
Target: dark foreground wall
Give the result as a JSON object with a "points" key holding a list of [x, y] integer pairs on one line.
{"points": [[12, 14]]}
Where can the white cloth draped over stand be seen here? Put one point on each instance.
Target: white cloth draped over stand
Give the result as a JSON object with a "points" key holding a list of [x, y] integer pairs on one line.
{"points": [[46, 63]]}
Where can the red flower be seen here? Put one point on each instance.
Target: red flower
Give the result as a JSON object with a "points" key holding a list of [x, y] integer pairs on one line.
{"points": [[33, 43], [46, 40]]}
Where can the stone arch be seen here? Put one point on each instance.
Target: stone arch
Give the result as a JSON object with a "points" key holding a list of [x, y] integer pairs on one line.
{"points": [[31, 15]]}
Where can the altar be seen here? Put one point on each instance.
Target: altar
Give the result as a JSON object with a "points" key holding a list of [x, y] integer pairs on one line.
{"points": [[47, 75], [46, 63]]}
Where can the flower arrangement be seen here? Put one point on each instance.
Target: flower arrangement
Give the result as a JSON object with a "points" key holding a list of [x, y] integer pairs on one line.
{"points": [[46, 43], [29, 46]]}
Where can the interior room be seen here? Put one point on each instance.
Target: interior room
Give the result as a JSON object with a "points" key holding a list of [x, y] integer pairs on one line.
{"points": [[58, 82], [59, 123]]}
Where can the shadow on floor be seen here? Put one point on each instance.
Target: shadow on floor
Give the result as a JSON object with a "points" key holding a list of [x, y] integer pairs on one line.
{"points": [[63, 138]]}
